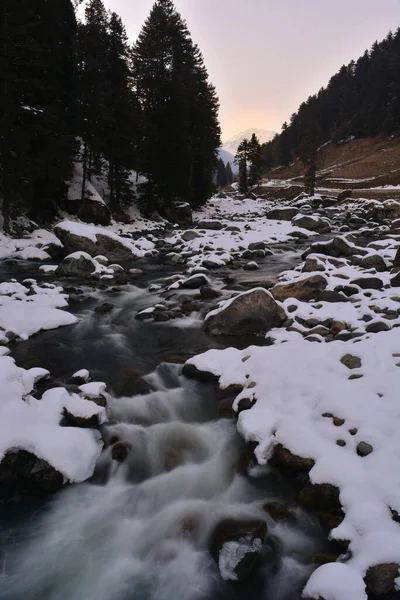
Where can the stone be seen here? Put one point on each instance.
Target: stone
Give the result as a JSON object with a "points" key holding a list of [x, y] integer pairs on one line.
{"points": [[285, 458], [104, 308], [395, 281], [338, 422], [396, 262], [191, 371], [377, 327], [332, 296], [120, 451], [94, 211], [337, 326], [195, 281], [323, 558], [79, 264], [338, 247], [344, 195], [179, 212], [277, 510], [225, 410], [353, 431], [355, 376], [313, 263], [246, 537], [363, 449], [256, 246], [311, 223], [210, 224], [341, 443], [77, 421], [190, 235], [106, 245], [20, 467], [350, 361], [251, 312], [206, 291], [350, 290], [245, 404], [251, 266], [320, 495], [380, 579], [368, 283], [374, 261], [302, 289], [282, 214]]}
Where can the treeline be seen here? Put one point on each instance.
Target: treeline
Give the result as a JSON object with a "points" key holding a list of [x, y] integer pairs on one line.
{"points": [[362, 99], [78, 92], [224, 175]]}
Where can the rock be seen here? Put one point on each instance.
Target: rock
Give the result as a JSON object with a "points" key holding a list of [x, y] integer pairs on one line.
{"points": [[311, 223], [245, 404], [323, 558], [350, 361], [368, 283], [120, 451], [206, 291], [337, 327], [195, 281], [190, 235], [396, 262], [233, 229], [78, 264], [373, 261], [77, 421], [105, 244], [338, 422], [235, 545], [313, 263], [363, 449], [251, 266], [341, 443], [282, 214], [319, 495], [179, 212], [332, 296], [278, 511], [211, 224], [290, 461], [80, 377], [191, 371], [302, 289], [339, 247], [380, 579], [251, 312], [104, 308], [388, 210], [20, 467], [344, 195], [377, 327], [94, 211]]}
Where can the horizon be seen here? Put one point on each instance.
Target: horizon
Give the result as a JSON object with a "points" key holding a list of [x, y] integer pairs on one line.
{"points": [[303, 52]]}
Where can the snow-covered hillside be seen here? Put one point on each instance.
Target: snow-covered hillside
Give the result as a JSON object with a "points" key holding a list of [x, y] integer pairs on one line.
{"points": [[232, 143]]}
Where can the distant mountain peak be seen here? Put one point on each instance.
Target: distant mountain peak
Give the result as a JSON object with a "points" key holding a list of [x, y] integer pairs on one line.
{"points": [[232, 143]]}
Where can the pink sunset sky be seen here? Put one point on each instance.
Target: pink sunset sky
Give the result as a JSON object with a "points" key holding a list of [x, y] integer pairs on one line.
{"points": [[267, 56]]}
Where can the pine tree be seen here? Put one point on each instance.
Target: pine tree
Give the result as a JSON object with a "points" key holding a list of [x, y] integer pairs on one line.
{"points": [[93, 47], [229, 174], [254, 158], [221, 174], [37, 104], [179, 125], [121, 124], [241, 158]]}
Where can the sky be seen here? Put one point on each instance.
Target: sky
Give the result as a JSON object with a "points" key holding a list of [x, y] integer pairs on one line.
{"points": [[265, 57]]}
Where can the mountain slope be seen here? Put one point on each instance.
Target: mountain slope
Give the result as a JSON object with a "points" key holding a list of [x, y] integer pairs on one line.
{"points": [[232, 144]]}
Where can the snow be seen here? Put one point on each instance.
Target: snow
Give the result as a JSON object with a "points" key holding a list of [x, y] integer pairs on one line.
{"points": [[30, 248], [289, 411], [232, 553], [335, 581], [33, 425], [25, 315], [137, 247]]}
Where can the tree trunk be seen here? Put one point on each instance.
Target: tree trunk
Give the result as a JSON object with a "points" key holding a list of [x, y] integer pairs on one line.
{"points": [[84, 172]]}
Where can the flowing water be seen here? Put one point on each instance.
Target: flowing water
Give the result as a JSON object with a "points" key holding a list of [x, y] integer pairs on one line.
{"points": [[140, 529]]}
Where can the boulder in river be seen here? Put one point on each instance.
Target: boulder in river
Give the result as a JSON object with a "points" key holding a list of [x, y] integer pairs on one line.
{"points": [[179, 212], [20, 467], [92, 242], [285, 213], [255, 311], [380, 579], [235, 545], [77, 264], [303, 289], [311, 223]]}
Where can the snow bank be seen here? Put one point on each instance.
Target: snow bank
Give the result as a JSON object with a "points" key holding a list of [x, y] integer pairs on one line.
{"points": [[295, 385], [33, 425], [335, 581]]}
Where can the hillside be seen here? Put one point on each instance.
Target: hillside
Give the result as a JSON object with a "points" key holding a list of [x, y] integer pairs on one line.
{"points": [[364, 163]]}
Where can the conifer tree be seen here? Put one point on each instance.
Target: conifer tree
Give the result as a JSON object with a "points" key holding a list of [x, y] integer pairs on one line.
{"points": [[254, 158], [241, 158], [229, 174], [179, 124], [221, 174], [37, 103]]}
